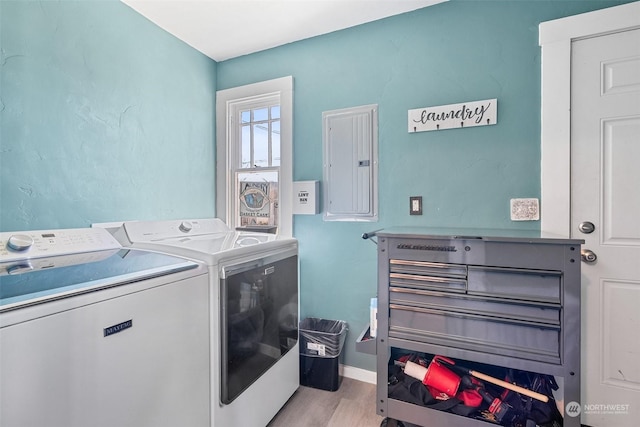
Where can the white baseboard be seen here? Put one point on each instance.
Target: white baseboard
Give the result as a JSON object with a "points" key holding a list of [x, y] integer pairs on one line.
{"points": [[358, 374]]}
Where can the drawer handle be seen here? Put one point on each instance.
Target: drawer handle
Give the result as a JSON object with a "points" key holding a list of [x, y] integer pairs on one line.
{"points": [[428, 264], [426, 278]]}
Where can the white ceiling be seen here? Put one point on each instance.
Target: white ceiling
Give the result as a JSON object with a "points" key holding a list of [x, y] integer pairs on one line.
{"points": [[224, 29]]}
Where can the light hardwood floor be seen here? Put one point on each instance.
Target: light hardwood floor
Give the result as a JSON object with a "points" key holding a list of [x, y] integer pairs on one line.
{"points": [[353, 404]]}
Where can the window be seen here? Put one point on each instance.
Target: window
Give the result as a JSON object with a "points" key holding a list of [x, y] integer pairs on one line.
{"points": [[254, 148], [260, 135], [257, 176]]}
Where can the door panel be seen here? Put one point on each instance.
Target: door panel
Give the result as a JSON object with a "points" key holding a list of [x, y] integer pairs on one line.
{"points": [[619, 312], [605, 179], [620, 177], [620, 76]]}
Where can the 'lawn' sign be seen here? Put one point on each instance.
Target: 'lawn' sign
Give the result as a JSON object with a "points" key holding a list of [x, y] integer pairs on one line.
{"points": [[467, 114]]}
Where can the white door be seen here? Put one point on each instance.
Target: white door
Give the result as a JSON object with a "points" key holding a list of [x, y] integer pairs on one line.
{"points": [[605, 191]]}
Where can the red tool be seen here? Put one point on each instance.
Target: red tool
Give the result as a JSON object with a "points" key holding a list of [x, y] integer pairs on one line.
{"points": [[437, 375], [502, 410]]}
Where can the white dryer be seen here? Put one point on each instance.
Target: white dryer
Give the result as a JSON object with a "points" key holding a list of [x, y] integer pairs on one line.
{"points": [[92, 334], [253, 311]]}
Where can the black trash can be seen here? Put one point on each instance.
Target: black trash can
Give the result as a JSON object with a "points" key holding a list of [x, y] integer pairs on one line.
{"points": [[321, 342]]}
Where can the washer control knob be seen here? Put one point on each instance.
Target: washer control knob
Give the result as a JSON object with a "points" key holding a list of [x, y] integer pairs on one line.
{"points": [[185, 226], [19, 268], [19, 242]]}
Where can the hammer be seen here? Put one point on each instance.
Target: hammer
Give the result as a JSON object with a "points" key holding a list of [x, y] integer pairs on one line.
{"points": [[496, 381]]}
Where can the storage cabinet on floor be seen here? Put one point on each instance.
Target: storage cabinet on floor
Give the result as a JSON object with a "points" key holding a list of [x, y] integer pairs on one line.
{"points": [[494, 299]]}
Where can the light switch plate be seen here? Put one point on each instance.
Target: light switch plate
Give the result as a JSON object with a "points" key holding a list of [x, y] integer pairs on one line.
{"points": [[415, 205], [525, 210]]}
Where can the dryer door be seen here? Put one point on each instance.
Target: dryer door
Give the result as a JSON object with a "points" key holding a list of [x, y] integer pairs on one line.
{"points": [[259, 320]]}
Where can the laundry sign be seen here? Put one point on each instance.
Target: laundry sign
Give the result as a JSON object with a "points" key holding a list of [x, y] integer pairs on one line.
{"points": [[466, 114]]}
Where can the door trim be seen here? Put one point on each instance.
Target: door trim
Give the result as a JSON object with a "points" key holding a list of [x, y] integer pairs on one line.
{"points": [[555, 38]]}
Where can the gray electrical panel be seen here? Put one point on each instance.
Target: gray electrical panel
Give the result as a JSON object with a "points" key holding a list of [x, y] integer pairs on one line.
{"points": [[350, 167]]}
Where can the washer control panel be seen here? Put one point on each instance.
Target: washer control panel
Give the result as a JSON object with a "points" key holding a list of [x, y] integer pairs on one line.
{"points": [[21, 245]]}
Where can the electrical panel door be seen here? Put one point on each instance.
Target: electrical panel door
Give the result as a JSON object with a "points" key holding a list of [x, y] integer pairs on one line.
{"points": [[350, 164]]}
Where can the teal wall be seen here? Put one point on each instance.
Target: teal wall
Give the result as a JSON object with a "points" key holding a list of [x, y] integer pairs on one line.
{"points": [[449, 53], [104, 117]]}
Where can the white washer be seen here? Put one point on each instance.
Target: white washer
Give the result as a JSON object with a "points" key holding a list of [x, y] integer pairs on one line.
{"points": [[92, 334], [254, 311]]}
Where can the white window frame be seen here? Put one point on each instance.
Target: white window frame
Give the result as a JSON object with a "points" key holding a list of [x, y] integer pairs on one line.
{"points": [[229, 102]]}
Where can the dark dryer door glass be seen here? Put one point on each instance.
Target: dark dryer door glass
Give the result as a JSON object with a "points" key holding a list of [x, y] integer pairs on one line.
{"points": [[259, 320]]}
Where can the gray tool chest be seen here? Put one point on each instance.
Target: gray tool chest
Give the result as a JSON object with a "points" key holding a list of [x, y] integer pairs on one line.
{"points": [[490, 298]]}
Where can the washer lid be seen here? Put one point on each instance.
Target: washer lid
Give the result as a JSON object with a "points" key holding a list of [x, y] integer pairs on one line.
{"points": [[214, 243], [156, 231], [205, 240], [33, 281]]}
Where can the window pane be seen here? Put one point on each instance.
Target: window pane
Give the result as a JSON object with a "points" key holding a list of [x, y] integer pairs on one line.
{"points": [[275, 143], [275, 112], [258, 198], [245, 116], [260, 114], [246, 147], [260, 146]]}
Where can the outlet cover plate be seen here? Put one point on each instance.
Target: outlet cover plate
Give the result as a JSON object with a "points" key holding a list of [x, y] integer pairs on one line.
{"points": [[525, 210]]}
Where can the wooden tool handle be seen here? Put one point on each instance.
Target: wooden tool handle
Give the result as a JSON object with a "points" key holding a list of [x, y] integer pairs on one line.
{"points": [[512, 387]]}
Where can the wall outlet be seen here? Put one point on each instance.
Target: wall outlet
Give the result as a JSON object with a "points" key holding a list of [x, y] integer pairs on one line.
{"points": [[415, 205], [525, 210]]}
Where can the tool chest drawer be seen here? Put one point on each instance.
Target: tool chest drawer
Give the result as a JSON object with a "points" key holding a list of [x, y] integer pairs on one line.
{"points": [[428, 282], [526, 340], [428, 275], [490, 307], [422, 268], [530, 285]]}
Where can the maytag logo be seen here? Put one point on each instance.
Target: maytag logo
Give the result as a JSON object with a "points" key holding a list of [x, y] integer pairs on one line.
{"points": [[118, 328], [428, 248]]}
